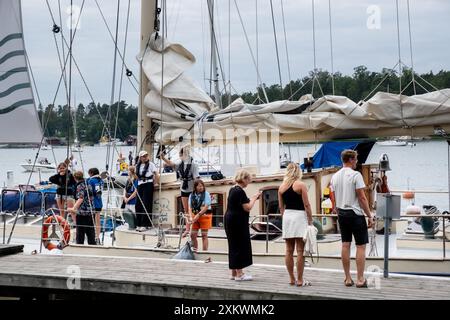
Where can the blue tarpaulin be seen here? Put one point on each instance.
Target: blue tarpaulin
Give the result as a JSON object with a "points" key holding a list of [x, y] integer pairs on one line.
{"points": [[329, 154]]}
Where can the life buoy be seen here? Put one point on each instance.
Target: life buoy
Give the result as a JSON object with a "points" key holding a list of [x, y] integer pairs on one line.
{"points": [[65, 227], [408, 195], [123, 166]]}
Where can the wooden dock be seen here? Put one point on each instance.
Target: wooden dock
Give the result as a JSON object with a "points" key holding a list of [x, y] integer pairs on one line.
{"points": [[145, 277]]}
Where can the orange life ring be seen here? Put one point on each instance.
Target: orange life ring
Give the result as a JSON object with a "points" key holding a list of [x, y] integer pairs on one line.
{"points": [[408, 195], [66, 233]]}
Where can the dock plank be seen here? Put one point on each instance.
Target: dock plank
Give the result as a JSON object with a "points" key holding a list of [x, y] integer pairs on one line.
{"points": [[199, 280]]}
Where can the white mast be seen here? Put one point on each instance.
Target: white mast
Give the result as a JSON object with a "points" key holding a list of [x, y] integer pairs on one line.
{"points": [[215, 71], [148, 18]]}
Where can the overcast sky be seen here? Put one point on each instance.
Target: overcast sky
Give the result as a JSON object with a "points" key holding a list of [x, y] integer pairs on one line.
{"points": [[354, 43]]}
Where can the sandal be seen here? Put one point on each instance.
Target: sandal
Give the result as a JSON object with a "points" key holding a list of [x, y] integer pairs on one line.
{"points": [[364, 285], [349, 284], [293, 283], [305, 283]]}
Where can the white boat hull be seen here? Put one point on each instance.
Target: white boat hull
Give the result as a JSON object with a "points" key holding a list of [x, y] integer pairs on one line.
{"points": [[38, 167]]}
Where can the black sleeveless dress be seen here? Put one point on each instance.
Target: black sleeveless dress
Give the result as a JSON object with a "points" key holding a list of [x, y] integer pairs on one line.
{"points": [[237, 230]]}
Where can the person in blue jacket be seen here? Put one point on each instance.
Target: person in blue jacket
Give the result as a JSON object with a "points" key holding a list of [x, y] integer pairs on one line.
{"points": [[95, 187]]}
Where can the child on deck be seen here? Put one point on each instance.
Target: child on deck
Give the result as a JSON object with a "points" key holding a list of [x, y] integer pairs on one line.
{"points": [[83, 210]]}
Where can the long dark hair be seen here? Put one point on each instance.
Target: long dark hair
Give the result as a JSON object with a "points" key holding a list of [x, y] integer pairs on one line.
{"points": [[198, 182]]}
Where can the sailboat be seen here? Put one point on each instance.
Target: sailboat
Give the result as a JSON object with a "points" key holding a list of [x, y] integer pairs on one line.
{"points": [[183, 113], [19, 121]]}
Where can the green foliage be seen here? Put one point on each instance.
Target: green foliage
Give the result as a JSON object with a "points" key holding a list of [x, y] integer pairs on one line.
{"points": [[90, 125], [357, 87]]}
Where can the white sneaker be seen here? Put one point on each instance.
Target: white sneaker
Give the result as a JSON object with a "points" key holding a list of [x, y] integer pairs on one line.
{"points": [[244, 277]]}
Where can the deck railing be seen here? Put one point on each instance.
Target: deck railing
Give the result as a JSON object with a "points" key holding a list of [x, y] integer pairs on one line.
{"points": [[115, 213]]}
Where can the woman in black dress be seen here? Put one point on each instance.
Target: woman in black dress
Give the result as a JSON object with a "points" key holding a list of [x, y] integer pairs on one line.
{"points": [[236, 227]]}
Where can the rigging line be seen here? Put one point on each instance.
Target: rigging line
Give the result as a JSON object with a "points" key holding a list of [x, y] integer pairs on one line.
{"points": [[331, 46], [314, 48], [203, 46], [399, 64], [399, 49], [257, 47], [314, 34], [211, 54], [220, 40], [39, 98], [164, 17], [177, 16], [123, 64], [215, 43], [251, 51], [382, 80], [60, 65], [120, 85], [113, 86], [121, 79], [411, 47], [299, 89], [57, 49], [229, 52], [276, 49], [286, 48], [62, 42], [68, 105], [112, 38]]}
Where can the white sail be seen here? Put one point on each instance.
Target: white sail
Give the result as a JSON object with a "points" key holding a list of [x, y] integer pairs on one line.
{"points": [[308, 119], [19, 121]]}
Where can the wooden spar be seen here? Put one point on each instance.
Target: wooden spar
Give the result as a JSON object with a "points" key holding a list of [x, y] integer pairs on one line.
{"points": [[148, 16]]}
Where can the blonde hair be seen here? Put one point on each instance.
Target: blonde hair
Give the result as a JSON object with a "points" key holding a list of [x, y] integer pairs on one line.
{"points": [[241, 175], [292, 174], [78, 175], [132, 176]]}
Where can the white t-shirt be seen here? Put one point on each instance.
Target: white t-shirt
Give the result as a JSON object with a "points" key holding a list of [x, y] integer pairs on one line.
{"points": [[344, 184]]}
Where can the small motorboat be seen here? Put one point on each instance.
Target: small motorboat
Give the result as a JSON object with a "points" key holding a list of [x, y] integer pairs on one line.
{"points": [[46, 147], [42, 164]]}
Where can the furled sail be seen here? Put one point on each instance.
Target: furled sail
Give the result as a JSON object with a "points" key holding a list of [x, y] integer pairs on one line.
{"points": [[187, 110], [19, 121]]}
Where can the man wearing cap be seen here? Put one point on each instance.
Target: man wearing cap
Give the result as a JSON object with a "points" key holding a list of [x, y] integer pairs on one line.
{"points": [[148, 175]]}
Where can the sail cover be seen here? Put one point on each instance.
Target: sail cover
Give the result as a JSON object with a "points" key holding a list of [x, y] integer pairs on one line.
{"points": [[188, 111], [19, 121]]}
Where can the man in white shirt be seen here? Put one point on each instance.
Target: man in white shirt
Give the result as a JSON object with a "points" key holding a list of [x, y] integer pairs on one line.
{"points": [[350, 203], [148, 176]]}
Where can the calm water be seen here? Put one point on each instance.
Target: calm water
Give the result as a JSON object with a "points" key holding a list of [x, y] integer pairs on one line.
{"points": [[422, 167], [11, 160]]}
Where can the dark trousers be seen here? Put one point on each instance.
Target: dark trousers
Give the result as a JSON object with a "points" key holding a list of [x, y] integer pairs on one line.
{"points": [[144, 200], [85, 227]]}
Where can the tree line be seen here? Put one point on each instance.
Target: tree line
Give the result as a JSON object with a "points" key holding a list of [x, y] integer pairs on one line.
{"points": [[358, 86], [91, 121]]}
